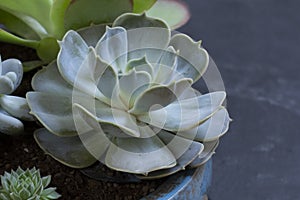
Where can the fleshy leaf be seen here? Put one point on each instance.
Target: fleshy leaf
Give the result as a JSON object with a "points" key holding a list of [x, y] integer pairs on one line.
{"points": [[114, 117], [16, 106], [92, 34], [112, 48], [193, 60], [184, 150], [125, 154], [72, 54], [142, 5], [50, 81], [159, 95], [10, 125], [15, 66], [7, 85], [140, 64], [206, 154], [177, 115], [53, 111], [68, 150], [211, 129], [174, 12], [131, 83], [95, 12]]}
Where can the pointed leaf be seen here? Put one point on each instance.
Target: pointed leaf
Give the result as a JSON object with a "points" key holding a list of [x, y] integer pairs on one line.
{"points": [[213, 128], [194, 59], [72, 54], [112, 48]]}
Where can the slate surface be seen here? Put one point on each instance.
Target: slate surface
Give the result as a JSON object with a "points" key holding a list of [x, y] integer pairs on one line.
{"points": [[256, 44]]}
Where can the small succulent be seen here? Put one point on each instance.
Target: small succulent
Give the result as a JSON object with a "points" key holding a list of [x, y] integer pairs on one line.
{"points": [[26, 185], [123, 95], [38, 24], [12, 108]]}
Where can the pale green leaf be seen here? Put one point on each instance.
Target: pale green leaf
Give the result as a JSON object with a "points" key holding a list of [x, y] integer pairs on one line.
{"points": [[68, 150], [213, 128], [53, 111], [72, 54], [140, 156], [194, 59], [112, 48], [185, 114]]}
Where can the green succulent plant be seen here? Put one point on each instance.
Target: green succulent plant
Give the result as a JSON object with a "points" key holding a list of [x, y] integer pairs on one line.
{"points": [[123, 95], [12, 108], [26, 185], [38, 24]]}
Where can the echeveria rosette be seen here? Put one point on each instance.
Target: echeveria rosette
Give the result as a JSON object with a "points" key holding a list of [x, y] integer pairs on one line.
{"points": [[26, 185], [123, 95], [12, 108]]}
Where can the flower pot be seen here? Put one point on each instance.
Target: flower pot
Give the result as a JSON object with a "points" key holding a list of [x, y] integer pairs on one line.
{"points": [[188, 184]]}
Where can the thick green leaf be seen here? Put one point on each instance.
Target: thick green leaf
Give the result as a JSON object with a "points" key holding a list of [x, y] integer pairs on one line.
{"points": [[142, 5], [95, 12], [37, 9], [47, 49], [174, 12], [10, 38], [68, 150], [17, 26]]}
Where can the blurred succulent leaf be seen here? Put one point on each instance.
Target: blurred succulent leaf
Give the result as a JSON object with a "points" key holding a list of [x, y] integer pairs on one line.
{"points": [[37, 9], [94, 12], [17, 26], [174, 12], [140, 6]]}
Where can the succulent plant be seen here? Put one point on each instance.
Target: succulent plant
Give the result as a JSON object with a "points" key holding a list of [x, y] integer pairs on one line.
{"points": [[38, 24], [12, 108], [26, 185], [123, 95]]}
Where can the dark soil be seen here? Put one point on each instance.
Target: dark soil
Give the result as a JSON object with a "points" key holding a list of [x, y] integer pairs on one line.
{"points": [[71, 183]]}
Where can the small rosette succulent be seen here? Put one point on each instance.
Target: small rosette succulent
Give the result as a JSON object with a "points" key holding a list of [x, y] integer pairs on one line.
{"points": [[26, 185], [12, 108], [123, 95]]}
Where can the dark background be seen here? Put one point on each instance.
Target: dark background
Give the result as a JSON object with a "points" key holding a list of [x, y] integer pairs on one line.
{"points": [[255, 44]]}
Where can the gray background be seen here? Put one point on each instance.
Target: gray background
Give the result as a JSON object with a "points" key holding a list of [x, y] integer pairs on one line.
{"points": [[256, 45]]}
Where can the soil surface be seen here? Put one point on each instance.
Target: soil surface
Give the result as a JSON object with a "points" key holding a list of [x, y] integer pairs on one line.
{"points": [[70, 183]]}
